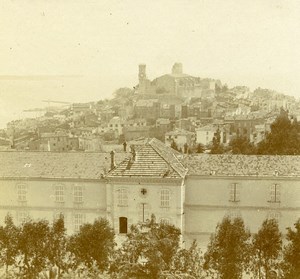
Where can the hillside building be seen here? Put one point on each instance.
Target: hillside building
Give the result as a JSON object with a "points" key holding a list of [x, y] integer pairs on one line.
{"points": [[176, 83], [193, 192], [181, 138]]}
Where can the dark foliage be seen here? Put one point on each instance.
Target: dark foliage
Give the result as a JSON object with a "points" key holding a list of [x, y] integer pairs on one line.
{"points": [[57, 244], [33, 247], [228, 250], [242, 145], [217, 147], [267, 247], [283, 138], [93, 244], [291, 258], [148, 250], [8, 242]]}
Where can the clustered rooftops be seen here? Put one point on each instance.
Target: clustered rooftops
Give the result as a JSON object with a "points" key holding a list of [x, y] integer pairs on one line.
{"points": [[243, 165]]}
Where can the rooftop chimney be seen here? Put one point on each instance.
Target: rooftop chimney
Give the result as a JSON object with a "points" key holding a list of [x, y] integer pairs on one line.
{"points": [[133, 155], [112, 160]]}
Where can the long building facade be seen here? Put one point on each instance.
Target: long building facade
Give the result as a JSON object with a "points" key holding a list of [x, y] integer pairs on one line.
{"points": [[193, 192]]}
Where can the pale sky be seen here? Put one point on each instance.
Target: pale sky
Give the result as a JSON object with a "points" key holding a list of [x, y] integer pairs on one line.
{"points": [[84, 50]]}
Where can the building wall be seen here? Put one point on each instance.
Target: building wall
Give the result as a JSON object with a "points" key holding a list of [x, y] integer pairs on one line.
{"points": [[180, 140], [126, 199], [59, 143], [93, 144], [209, 199], [165, 83], [205, 137], [148, 112], [201, 202], [43, 199]]}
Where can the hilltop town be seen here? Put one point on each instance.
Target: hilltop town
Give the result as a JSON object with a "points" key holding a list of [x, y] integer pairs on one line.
{"points": [[181, 110], [119, 173]]}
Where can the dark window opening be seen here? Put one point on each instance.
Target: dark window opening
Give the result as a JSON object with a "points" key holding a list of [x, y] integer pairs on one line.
{"points": [[122, 225]]}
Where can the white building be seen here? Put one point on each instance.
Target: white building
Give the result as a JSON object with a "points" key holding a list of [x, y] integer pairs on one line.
{"points": [[180, 137], [205, 134], [193, 192]]}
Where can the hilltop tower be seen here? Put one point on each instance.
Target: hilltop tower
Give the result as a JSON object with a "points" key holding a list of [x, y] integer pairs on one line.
{"points": [[144, 83], [142, 73], [177, 69]]}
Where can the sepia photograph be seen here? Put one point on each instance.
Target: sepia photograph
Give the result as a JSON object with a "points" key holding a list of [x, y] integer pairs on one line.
{"points": [[150, 139]]}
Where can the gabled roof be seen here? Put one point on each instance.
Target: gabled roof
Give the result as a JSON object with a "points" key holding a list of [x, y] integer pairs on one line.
{"points": [[152, 159], [55, 165], [243, 165]]}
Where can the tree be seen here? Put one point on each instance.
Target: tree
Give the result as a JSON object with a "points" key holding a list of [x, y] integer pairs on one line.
{"points": [[228, 250], [267, 246], [33, 248], [225, 88], [57, 247], [200, 148], [93, 244], [8, 242], [188, 261], [123, 96], [241, 145], [283, 138], [291, 255], [218, 88], [217, 147], [147, 252], [174, 145]]}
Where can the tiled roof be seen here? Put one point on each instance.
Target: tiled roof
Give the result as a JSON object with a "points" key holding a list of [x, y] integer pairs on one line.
{"points": [[153, 159], [50, 165], [243, 165]]}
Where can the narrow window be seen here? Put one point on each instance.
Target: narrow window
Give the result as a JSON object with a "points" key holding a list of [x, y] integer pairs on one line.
{"points": [[234, 193], [58, 215], [274, 215], [22, 192], [59, 193], [78, 221], [165, 221], [78, 194], [144, 212], [122, 197], [165, 198], [275, 193], [22, 216], [122, 225]]}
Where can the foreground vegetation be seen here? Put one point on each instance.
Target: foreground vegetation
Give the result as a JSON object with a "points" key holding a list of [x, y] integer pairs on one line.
{"points": [[37, 249]]}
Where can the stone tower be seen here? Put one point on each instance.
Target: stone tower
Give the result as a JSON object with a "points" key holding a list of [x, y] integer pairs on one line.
{"points": [[177, 69], [142, 79], [142, 73]]}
